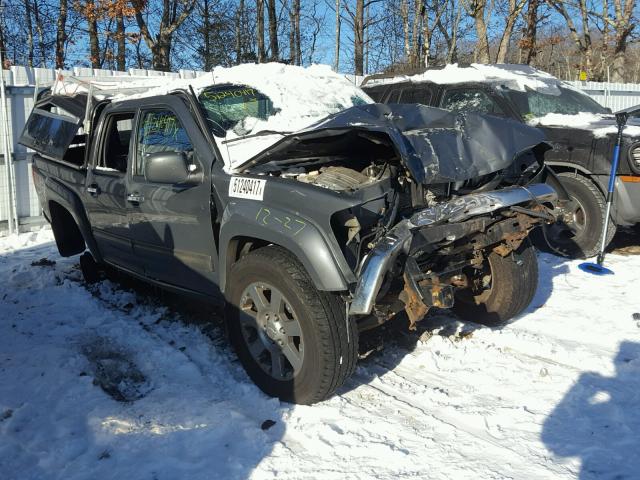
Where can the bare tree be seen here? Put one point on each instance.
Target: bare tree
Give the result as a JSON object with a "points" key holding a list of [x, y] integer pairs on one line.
{"points": [[582, 39], [61, 34], [260, 17], [273, 30], [528, 43], [29, 25], [173, 14], [514, 10], [336, 56], [623, 24], [477, 9]]}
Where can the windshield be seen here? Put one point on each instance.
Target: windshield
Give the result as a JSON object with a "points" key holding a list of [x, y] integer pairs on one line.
{"points": [[533, 103], [228, 107], [237, 111]]}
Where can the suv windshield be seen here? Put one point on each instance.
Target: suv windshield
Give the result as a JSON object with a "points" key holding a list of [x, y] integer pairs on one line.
{"points": [[533, 103]]}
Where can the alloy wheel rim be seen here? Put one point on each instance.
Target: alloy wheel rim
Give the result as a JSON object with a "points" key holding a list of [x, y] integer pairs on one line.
{"points": [[271, 331]]}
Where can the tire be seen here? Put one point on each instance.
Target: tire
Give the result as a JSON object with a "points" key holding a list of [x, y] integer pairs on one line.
{"points": [[89, 268], [326, 347], [588, 218], [513, 283]]}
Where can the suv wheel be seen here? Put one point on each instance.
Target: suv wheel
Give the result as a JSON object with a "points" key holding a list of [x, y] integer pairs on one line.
{"points": [[587, 219], [502, 289], [292, 339]]}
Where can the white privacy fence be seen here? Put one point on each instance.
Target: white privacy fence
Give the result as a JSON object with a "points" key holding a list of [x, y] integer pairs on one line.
{"points": [[17, 194]]}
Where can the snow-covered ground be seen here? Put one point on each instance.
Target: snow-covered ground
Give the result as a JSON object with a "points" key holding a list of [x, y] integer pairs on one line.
{"points": [[554, 395]]}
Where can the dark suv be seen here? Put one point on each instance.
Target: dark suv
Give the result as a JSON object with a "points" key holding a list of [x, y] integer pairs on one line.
{"points": [[580, 131]]}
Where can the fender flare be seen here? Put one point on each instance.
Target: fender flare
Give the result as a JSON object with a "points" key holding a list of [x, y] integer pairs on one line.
{"points": [[57, 192], [307, 245]]}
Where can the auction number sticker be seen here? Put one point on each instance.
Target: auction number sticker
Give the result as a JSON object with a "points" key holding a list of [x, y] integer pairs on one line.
{"points": [[250, 188]]}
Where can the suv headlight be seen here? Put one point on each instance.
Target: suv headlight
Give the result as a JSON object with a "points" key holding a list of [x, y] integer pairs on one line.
{"points": [[634, 156]]}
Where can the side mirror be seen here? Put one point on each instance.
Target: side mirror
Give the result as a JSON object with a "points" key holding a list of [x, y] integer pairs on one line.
{"points": [[166, 167]]}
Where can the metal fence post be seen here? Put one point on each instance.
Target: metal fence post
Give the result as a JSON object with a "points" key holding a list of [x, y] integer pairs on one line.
{"points": [[8, 157]]}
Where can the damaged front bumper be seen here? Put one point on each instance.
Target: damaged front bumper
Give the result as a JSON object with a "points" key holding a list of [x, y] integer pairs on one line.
{"points": [[380, 259]]}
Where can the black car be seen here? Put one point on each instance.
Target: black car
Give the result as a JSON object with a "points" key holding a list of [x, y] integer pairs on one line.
{"points": [[580, 131]]}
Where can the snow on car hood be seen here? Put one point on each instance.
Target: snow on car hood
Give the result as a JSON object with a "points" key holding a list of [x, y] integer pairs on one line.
{"points": [[436, 146], [600, 125]]}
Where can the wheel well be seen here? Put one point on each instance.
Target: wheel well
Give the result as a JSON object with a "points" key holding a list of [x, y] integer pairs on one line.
{"points": [[576, 171], [69, 240]]}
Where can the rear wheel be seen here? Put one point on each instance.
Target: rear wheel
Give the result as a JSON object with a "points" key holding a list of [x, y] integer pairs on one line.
{"points": [[500, 290], [580, 235], [293, 340]]}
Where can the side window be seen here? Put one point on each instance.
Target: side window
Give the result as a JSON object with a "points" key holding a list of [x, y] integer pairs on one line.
{"points": [[394, 96], [235, 107], [116, 140], [416, 95], [160, 131], [471, 100]]}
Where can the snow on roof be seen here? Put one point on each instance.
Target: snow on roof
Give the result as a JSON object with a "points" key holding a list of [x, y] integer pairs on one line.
{"points": [[600, 125], [301, 96], [517, 77]]}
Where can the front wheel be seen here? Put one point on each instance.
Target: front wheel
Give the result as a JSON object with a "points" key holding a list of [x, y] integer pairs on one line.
{"points": [[293, 340], [501, 289], [581, 234]]}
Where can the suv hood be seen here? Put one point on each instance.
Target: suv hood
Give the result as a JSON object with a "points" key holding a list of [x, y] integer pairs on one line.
{"points": [[436, 146]]}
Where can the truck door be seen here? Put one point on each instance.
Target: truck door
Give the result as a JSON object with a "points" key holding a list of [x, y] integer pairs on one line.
{"points": [[170, 222], [105, 190]]}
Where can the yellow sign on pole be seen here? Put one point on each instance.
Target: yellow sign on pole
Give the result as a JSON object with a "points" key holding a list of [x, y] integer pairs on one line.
{"points": [[583, 76]]}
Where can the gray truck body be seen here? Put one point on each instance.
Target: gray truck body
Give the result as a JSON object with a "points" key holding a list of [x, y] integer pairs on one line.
{"points": [[185, 235]]}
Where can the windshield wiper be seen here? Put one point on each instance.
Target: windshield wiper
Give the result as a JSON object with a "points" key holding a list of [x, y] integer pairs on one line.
{"points": [[259, 134]]}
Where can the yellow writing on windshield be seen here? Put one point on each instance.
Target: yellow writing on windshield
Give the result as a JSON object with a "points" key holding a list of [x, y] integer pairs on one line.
{"points": [[236, 93]]}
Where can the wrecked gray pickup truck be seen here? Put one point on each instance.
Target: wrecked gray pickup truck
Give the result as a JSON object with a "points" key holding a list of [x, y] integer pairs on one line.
{"points": [[317, 213]]}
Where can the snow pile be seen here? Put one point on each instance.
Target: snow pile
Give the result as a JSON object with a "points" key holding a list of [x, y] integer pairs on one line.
{"points": [[554, 395], [516, 77], [600, 125]]}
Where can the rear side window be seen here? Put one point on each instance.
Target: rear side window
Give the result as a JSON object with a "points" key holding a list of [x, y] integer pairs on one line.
{"points": [[470, 100], [51, 131], [160, 131], [229, 107], [416, 95], [117, 139]]}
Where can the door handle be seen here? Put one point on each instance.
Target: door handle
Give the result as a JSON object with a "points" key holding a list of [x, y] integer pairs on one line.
{"points": [[135, 198], [93, 189]]}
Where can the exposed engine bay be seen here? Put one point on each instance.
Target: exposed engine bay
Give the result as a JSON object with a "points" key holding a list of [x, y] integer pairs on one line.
{"points": [[433, 202]]}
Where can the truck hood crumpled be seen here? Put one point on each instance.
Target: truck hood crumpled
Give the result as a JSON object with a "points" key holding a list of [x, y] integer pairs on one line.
{"points": [[436, 146]]}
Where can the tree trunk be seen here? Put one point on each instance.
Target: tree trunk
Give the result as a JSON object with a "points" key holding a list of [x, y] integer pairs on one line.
{"points": [[296, 22], [29, 25], [94, 42], [404, 14], [239, 17], [515, 8], [206, 36], [336, 56], [61, 34], [531, 32], [481, 54], [273, 30], [162, 54], [358, 38], [414, 56], [121, 63], [260, 21], [40, 29]]}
